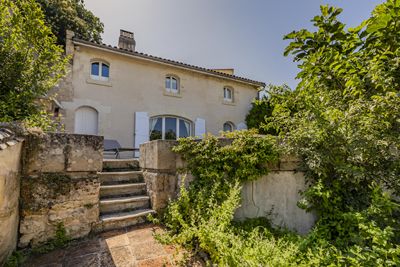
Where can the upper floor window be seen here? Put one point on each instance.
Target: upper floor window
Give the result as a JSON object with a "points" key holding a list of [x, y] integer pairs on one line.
{"points": [[169, 128], [172, 84], [228, 94], [228, 127], [100, 71]]}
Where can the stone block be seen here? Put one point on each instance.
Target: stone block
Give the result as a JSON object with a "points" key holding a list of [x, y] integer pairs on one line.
{"points": [[161, 187], [158, 155], [48, 200], [275, 196], [289, 163], [58, 152], [10, 166]]}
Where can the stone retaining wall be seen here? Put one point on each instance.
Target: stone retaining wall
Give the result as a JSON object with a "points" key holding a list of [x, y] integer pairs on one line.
{"points": [[59, 186], [274, 195], [159, 171], [10, 157]]}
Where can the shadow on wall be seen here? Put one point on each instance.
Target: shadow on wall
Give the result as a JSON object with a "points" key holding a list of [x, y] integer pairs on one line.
{"points": [[277, 192]]}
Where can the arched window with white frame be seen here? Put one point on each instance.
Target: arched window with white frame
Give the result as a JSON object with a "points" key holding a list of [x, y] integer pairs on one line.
{"points": [[172, 84], [100, 71], [228, 126], [169, 127], [228, 94]]}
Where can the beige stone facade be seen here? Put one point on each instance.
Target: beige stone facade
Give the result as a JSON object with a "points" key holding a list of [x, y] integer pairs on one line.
{"points": [[135, 92]]}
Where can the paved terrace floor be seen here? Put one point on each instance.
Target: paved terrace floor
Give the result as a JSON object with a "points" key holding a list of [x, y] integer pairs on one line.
{"points": [[120, 248]]}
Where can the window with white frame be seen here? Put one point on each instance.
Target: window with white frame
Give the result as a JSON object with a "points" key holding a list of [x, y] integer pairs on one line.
{"points": [[100, 71], [172, 84], [229, 127], [169, 128], [228, 94]]}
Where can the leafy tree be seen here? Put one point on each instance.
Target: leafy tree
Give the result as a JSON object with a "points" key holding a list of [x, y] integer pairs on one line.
{"points": [[262, 108], [347, 130], [62, 15], [30, 61], [343, 120]]}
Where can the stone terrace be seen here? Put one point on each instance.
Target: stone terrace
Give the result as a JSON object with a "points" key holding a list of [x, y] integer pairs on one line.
{"points": [[131, 247]]}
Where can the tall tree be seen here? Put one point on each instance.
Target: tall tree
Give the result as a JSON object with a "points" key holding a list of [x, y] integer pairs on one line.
{"points": [[62, 15], [346, 128], [31, 62]]}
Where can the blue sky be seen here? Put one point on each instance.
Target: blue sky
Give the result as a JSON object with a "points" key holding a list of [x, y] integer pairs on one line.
{"points": [[239, 34]]}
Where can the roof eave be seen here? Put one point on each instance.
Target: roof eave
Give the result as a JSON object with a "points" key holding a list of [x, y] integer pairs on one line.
{"points": [[168, 62]]}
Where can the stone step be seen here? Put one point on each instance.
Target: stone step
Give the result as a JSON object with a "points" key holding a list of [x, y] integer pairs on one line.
{"points": [[120, 164], [121, 204], [120, 177], [122, 190], [122, 219]]}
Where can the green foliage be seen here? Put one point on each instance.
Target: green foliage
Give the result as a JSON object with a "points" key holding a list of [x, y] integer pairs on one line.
{"points": [[343, 120], [346, 129], [60, 240], [63, 15], [30, 62], [201, 218], [16, 259], [263, 108]]}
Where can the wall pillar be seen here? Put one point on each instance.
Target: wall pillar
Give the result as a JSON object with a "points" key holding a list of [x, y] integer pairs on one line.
{"points": [[158, 163]]}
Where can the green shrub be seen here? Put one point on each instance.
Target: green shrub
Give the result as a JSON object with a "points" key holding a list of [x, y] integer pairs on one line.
{"points": [[343, 121]]}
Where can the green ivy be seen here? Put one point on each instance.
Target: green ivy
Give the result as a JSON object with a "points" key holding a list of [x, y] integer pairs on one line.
{"points": [[343, 121], [201, 218]]}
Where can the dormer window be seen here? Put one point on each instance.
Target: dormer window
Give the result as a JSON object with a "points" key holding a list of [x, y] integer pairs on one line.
{"points": [[172, 84], [100, 71], [228, 94]]}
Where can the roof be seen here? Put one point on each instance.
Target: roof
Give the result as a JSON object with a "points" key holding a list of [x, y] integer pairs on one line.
{"points": [[168, 62]]}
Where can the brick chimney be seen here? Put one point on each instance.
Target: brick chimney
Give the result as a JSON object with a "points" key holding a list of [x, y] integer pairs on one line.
{"points": [[126, 40]]}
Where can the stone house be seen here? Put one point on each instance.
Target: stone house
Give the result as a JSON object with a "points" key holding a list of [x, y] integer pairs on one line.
{"points": [[133, 97]]}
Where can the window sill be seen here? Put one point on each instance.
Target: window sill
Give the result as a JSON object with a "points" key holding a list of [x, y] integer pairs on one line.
{"points": [[228, 103], [173, 94], [98, 82]]}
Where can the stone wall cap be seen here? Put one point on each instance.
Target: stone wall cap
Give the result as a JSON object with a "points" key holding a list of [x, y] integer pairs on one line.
{"points": [[9, 135]]}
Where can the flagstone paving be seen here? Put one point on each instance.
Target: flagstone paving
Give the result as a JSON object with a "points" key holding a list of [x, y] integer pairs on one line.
{"points": [[130, 247]]}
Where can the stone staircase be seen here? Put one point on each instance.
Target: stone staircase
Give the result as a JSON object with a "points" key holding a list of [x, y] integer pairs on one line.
{"points": [[123, 195]]}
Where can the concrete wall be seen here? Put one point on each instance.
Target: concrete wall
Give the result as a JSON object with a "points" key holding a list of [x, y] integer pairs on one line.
{"points": [[59, 185], [137, 85], [274, 195], [10, 157]]}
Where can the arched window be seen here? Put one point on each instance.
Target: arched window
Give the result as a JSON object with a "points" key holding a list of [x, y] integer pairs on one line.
{"points": [[100, 71], [228, 94], [172, 84], [229, 126], [169, 128], [86, 120]]}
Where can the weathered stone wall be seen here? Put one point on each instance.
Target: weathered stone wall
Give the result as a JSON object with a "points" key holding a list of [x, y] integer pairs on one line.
{"points": [[10, 156], [59, 186], [159, 171], [274, 195]]}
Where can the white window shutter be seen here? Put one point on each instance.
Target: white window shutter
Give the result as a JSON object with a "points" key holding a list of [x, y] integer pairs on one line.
{"points": [[200, 127], [141, 128], [241, 126]]}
